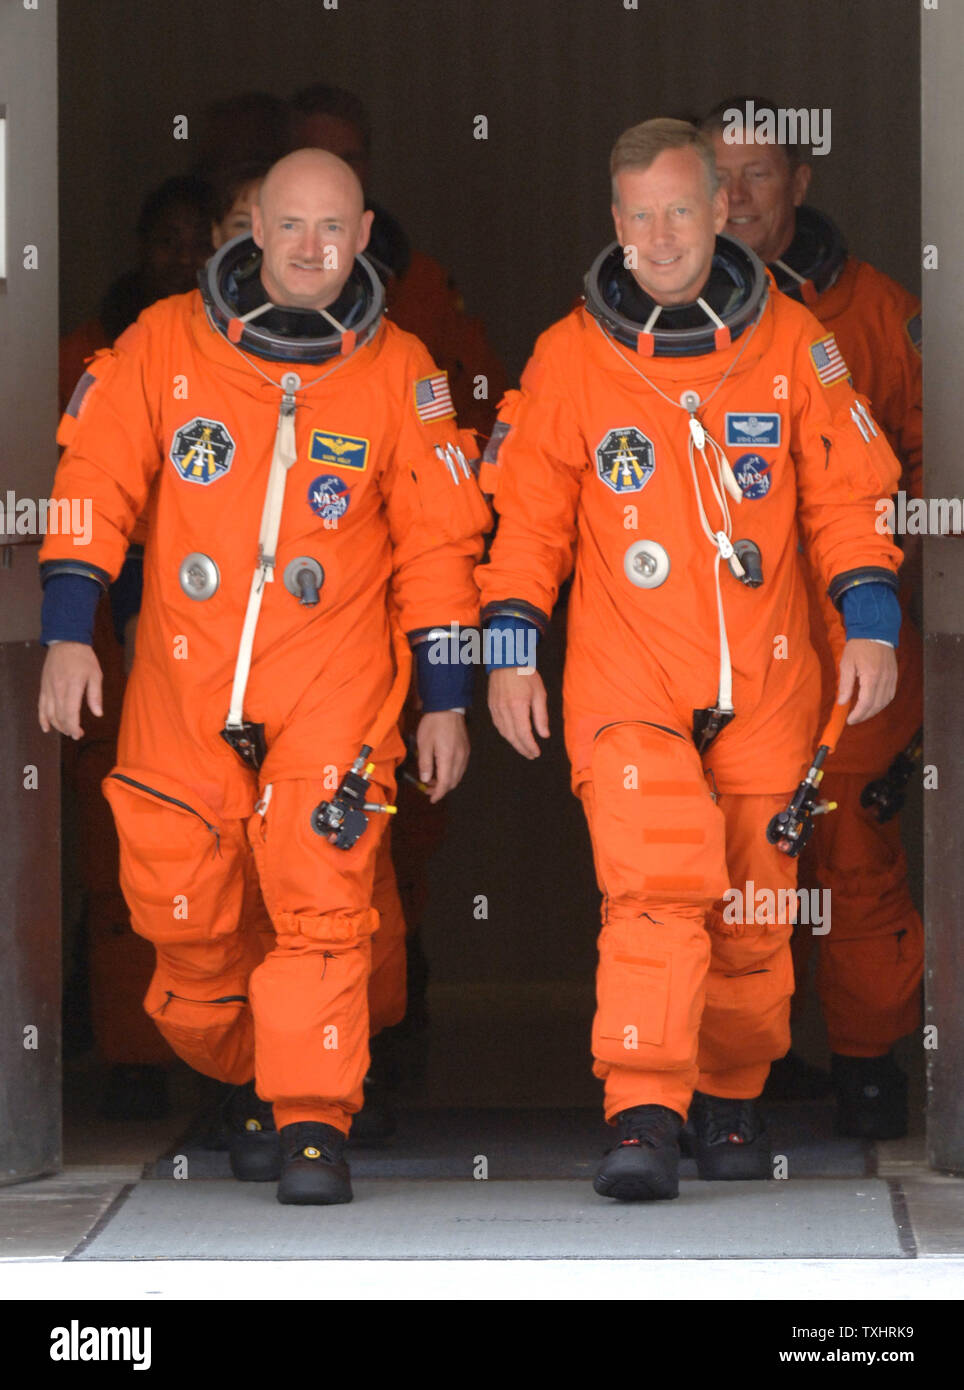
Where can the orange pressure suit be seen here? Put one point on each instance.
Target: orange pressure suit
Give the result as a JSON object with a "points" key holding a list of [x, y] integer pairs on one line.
{"points": [[595, 473], [871, 962], [120, 963], [179, 420]]}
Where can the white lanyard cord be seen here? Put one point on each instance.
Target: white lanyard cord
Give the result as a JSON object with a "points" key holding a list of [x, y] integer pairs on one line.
{"points": [[283, 456], [721, 540]]}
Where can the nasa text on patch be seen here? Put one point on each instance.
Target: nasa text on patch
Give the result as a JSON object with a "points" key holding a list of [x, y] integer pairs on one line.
{"points": [[625, 459], [329, 497], [202, 450], [761, 430], [752, 472], [338, 450]]}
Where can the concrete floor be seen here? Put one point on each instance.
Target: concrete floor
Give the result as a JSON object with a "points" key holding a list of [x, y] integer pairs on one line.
{"points": [[849, 1218], [878, 1212]]}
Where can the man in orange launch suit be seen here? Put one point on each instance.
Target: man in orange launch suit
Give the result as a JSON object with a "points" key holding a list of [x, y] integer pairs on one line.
{"points": [[312, 518], [871, 962], [691, 691]]}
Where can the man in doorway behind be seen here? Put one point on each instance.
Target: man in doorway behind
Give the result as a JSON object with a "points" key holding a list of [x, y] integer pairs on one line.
{"points": [[421, 296], [691, 690], [871, 963]]}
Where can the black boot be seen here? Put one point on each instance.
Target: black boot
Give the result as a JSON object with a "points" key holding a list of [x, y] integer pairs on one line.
{"points": [[315, 1172], [254, 1147], [644, 1165], [871, 1097], [793, 1078], [730, 1139], [375, 1123]]}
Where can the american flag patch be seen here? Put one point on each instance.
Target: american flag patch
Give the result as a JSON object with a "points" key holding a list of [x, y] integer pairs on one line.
{"points": [[433, 399], [828, 360], [80, 391]]}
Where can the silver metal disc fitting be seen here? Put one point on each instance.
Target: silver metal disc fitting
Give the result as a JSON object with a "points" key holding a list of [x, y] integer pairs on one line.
{"points": [[646, 564], [199, 576]]}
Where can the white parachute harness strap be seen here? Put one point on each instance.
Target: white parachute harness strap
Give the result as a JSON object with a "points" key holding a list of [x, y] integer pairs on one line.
{"points": [[332, 320], [306, 386], [747, 336], [283, 456], [710, 313], [789, 270]]}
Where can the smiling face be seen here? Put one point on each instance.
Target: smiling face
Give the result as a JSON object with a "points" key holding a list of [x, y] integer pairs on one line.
{"points": [[764, 193], [669, 216], [310, 224]]}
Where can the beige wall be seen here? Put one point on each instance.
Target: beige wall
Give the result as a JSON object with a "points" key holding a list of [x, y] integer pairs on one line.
{"points": [[516, 218]]}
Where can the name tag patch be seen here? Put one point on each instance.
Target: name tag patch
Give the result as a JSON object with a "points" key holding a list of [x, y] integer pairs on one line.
{"points": [[761, 430], [338, 450]]}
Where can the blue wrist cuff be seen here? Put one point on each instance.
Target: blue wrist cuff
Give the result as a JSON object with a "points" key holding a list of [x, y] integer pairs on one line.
{"points": [[444, 681], [69, 604], [871, 611], [509, 642]]}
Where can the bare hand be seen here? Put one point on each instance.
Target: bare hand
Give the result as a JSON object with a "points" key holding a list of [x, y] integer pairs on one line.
{"points": [[442, 741], [872, 666], [70, 672], [517, 703]]}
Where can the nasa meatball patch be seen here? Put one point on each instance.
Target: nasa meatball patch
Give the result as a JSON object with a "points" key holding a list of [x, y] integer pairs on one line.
{"points": [[625, 459], [328, 497], [761, 430], [752, 472], [202, 450]]}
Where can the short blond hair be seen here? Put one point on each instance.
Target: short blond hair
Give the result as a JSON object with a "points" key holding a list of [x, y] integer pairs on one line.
{"points": [[640, 145]]}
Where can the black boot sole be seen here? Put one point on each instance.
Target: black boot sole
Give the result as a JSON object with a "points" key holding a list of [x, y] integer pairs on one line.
{"points": [[635, 1189], [256, 1157], [314, 1185], [638, 1178]]}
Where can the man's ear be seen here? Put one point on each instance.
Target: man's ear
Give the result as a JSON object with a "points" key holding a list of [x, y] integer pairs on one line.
{"points": [[364, 230], [721, 209], [257, 225], [801, 182], [617, 222]]}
